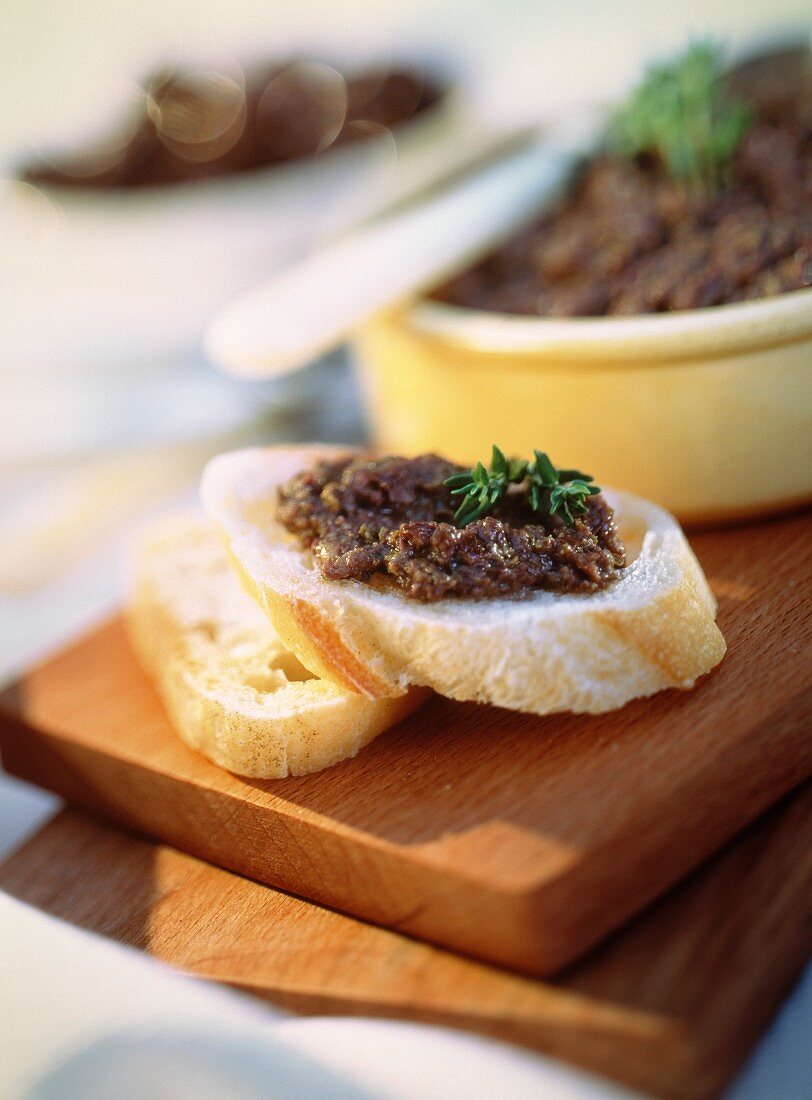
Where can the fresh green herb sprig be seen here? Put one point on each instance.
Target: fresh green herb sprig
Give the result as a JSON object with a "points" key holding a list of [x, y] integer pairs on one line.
{"points": [[682, 113], [550, 491], [558, 492], [481, 488]]}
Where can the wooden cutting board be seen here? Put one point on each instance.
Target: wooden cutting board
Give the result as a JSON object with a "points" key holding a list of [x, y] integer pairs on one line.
{"points": [[671, 1004], [520, 840]]}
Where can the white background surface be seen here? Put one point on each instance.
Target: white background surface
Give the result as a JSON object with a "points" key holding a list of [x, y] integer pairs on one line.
{"points": [[518, 54], [78, 1016]]}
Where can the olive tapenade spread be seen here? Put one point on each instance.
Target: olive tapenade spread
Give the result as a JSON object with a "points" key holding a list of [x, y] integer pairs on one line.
{"points": [[627, 238], [391, 521]]}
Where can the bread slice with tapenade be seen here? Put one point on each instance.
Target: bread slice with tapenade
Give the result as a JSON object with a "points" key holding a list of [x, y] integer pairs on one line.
{"points": [[231, 688], [652, 627]]}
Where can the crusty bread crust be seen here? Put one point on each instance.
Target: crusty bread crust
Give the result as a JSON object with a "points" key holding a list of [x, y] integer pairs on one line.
{"points": [[231, 689], [651, 629]]}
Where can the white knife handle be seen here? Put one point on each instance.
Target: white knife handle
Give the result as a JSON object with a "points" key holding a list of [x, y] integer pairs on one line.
{"points": [[307, 309]]}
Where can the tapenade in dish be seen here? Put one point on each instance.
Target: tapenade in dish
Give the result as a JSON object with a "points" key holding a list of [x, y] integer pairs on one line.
{"points": [[516, 584], [191, 125], [701, 195]]}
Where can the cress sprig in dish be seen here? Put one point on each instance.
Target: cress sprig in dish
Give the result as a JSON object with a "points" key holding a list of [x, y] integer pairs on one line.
{"points": [[550, 491], [683, 113]]}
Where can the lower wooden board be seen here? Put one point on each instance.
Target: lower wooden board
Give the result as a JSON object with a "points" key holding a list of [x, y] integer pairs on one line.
{"points": [[671, 1004], [515, 839]]}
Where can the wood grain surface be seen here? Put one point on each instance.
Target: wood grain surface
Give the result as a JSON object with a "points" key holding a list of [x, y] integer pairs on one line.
{"points": [[671, 1004], [520, 840]]}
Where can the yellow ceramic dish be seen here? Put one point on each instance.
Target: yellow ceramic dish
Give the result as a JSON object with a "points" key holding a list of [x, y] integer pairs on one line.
{"points": [[708, 412]]}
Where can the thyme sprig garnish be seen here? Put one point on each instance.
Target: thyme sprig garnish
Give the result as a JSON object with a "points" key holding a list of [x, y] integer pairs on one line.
{"points": [[480, 488], [558, 492], [682, 113], [550, 491]]}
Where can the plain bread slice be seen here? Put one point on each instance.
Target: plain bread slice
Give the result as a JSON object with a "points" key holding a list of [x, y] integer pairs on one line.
{"points": [[230, 687]]}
